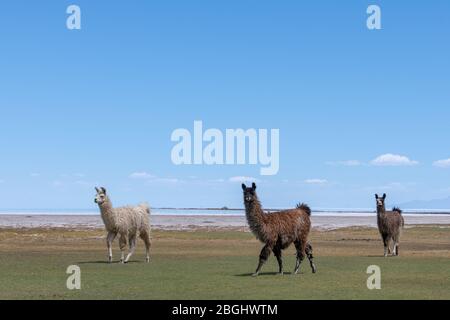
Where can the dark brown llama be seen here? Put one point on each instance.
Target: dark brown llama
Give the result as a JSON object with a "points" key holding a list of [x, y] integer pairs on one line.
{"points": [[390, 224], [279, 230]]}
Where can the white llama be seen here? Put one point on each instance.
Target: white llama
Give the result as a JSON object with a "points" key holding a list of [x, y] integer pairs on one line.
{"points": [[127, 222]]}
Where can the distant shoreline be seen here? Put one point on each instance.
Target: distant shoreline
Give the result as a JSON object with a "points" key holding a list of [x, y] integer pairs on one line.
{"points": [[205, 221], [218, 211]]}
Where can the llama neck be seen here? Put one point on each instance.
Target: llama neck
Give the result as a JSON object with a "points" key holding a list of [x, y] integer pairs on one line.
{"points": [[255, 216], [381, 211], [107, 212]]}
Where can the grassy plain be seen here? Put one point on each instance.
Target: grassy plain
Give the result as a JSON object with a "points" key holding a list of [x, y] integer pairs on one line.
{"points": [[216, 264]]}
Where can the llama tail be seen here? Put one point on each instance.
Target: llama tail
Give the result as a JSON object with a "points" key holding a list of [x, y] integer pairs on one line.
{"points": [[304, 207], [395, 209], [146, 207]]}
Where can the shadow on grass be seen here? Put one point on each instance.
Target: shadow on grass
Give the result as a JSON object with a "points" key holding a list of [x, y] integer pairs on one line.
{"points": [[383, 257], [264, 274], [112, 263], [94, 262]]}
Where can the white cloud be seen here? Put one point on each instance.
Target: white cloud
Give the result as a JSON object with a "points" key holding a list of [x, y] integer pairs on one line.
{"points": [[346, 163], [390, 159], [68, 175], [57, 183], [151, 179], [141, 175], [168, 180], [316, 181], [442, 163], [83, 183], [397, 186], [243, 179], [394, 186]]}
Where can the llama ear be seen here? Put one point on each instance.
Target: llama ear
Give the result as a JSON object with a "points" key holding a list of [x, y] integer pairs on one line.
{"points": [[244, 187], [103, 190], [384, 196], [254, 186], [376, 196], [97, 189]]}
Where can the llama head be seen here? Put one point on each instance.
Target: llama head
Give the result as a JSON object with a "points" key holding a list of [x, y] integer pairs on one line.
{"points": [[249, 193], [101, 196], [380, 200]]}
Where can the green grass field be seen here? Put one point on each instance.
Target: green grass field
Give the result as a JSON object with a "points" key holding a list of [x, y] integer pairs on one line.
{"points": [[218, 264]]}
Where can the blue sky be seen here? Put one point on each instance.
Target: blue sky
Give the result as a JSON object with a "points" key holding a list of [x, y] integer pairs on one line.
{"points": [[92, 107]]}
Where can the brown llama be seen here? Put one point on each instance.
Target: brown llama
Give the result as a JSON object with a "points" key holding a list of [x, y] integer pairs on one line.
{"points": [[390, 224], [278, 230]]}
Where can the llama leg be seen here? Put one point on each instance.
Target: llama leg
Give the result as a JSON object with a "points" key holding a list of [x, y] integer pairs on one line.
{"points": [[278, 253], [109, 240], [395, 253], [263, 257], [301, 252], [132, 242], [391, 250], [391, 245], [386, 245], [309, 254], [123, 245], [146, 238]]}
